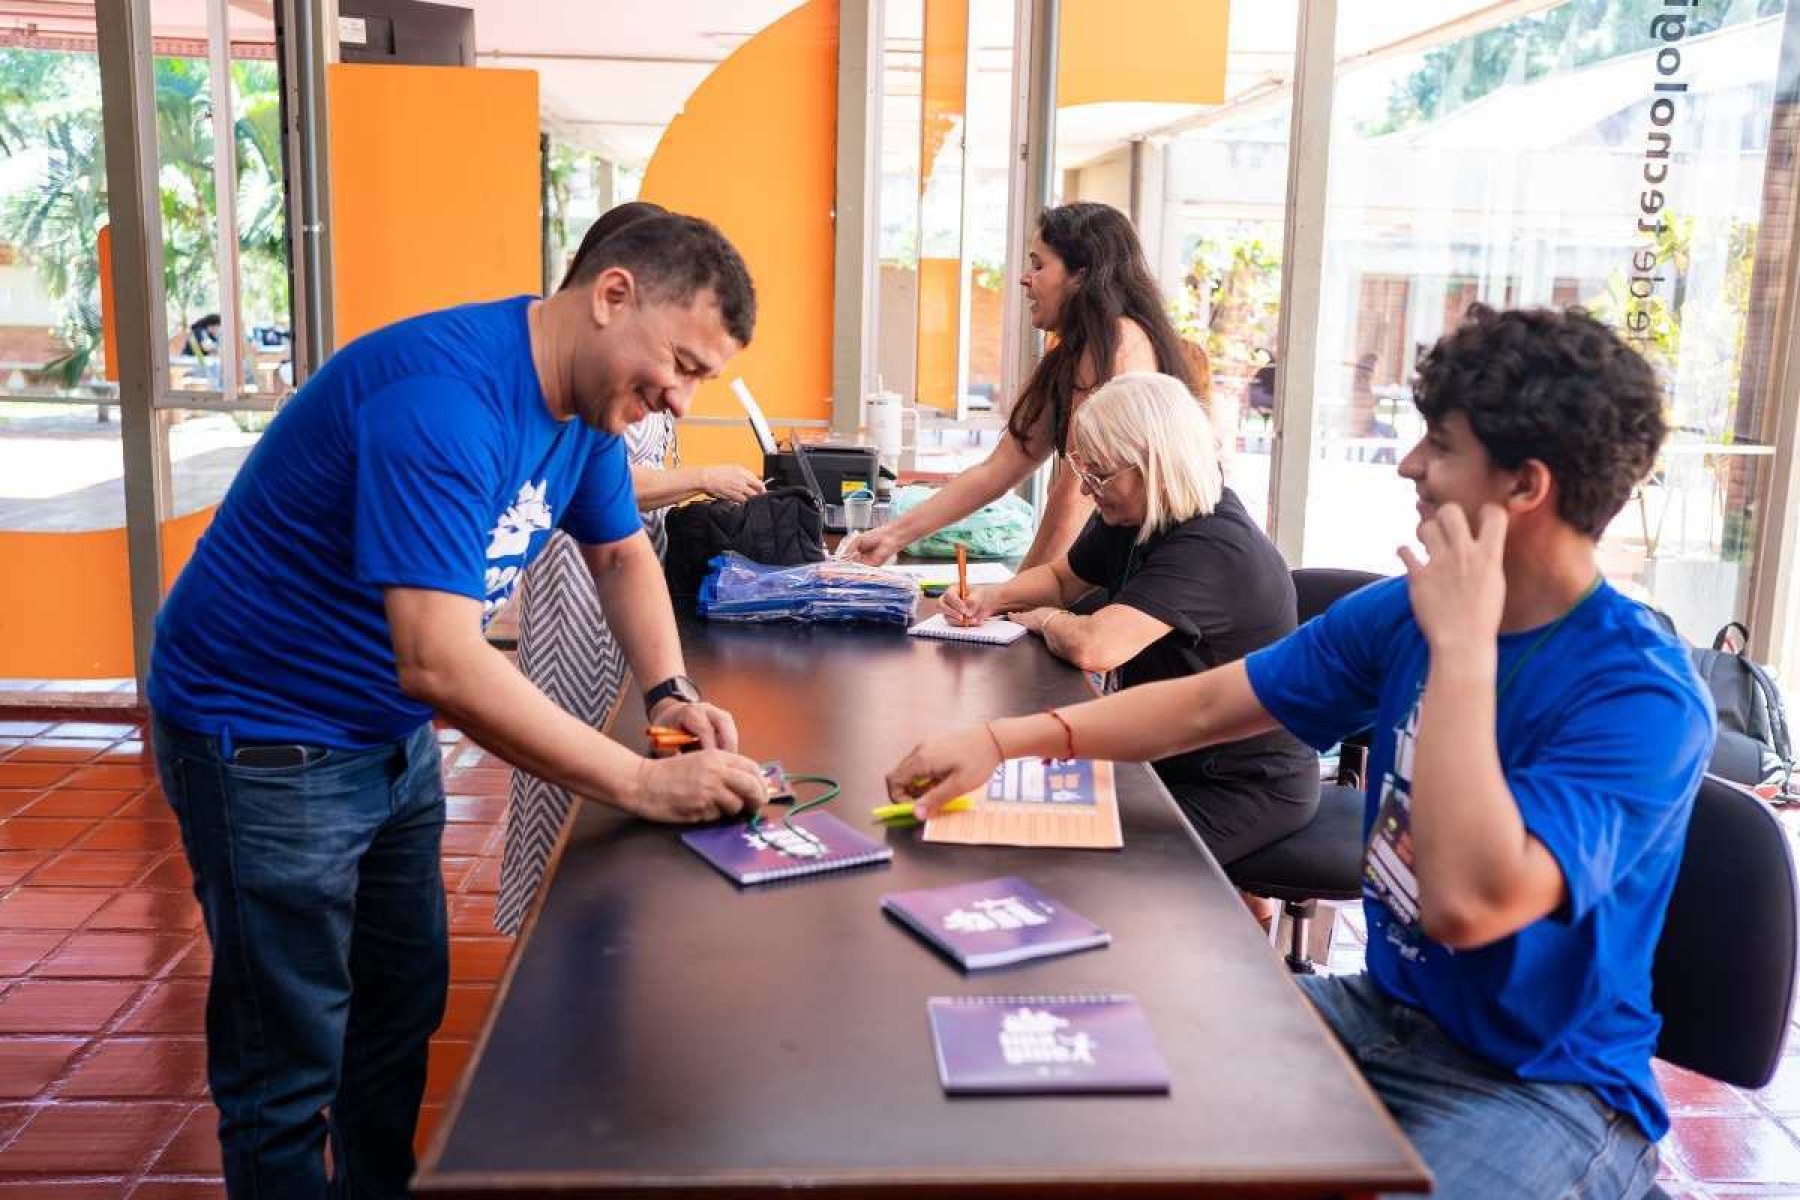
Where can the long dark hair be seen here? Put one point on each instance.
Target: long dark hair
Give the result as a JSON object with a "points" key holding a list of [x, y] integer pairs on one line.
{"points": [[607, 224], [1098, 246]]}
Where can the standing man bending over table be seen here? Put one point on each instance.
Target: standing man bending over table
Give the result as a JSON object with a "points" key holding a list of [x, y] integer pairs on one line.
{"points": [[338, 601], [1538, 741]]}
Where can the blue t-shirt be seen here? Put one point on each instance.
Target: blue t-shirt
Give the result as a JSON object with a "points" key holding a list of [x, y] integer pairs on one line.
{"points": [[422, 455], [1603, 734]]}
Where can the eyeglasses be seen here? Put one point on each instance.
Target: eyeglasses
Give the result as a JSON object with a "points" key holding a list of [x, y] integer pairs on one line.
{"points": [[1094, 483]]}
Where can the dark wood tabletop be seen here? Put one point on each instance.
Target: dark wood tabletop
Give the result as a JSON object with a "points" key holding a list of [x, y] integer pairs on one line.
{"points": [[662, 1032]]}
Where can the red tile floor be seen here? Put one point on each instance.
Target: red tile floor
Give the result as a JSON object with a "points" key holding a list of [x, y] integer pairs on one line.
{"points": [[102, 980], [103, 964]]}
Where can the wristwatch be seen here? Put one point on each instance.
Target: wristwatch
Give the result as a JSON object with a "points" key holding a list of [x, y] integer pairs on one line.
{"points": [[679, 686]]}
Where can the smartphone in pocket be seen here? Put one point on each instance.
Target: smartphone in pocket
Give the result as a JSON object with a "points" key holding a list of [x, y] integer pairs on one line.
{"points": [[269, 757]]}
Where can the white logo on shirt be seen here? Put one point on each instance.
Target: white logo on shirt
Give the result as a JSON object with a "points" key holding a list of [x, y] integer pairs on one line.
{"points": [[510, 539]]}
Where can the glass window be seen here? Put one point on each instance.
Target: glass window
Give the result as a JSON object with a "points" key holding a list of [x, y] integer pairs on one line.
{"points": [[1593, 152]]}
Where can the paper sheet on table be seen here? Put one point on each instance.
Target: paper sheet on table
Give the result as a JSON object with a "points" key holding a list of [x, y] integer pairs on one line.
{"points": [[945, 572], [1066, 802]]}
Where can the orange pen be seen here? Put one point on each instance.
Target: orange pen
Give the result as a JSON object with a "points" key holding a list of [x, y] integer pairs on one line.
{"points": [[664, 740], [962, 571]]}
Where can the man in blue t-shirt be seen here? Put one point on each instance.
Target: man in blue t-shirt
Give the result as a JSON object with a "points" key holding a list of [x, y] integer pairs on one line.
{"points": [[1538, 740], [339, 600]]}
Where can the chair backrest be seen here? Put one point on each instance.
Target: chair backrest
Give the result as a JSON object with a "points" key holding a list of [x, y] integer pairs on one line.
{"points": [[1725, 966], [1318, 588]]}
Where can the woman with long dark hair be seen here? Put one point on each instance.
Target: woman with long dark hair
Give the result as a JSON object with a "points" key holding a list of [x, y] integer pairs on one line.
{"points": [[1086, 283]]}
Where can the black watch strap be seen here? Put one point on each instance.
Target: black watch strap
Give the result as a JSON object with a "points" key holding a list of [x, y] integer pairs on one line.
{"points": [[679, 686]]}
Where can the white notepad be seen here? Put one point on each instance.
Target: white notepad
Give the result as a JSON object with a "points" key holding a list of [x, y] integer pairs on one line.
{"points": [[995, 631]]}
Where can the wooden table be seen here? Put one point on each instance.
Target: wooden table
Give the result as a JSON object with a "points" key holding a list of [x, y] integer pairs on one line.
{"points": [[660, 1032]]}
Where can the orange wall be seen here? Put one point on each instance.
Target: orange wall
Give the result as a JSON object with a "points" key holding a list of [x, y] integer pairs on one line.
{"points": [[74, 621], [434, 190], [1163, 50], [755, 151]]}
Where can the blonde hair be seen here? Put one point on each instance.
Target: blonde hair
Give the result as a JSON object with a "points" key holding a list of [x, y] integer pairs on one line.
{"points": [[1152, 422]]}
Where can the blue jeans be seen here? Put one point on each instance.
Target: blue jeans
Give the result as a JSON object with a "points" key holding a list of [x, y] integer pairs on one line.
{"points": [[324, 899], [1484, 1132]]}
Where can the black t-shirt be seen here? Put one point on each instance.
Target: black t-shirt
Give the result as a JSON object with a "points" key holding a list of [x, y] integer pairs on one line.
{"points": [[1223, 590]]}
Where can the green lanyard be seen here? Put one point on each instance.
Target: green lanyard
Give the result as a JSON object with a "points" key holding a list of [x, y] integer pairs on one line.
{"points": [[1519, 663]]}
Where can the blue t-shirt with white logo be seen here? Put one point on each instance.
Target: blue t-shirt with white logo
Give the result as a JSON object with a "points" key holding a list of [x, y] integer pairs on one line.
{"points": [[422, 455], [1603, 735]]}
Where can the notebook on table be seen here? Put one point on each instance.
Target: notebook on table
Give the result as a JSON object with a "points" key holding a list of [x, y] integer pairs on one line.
{"points": [[819, 842], [993, 922], [995, 631], [1070, 802], [1038, 1044]]}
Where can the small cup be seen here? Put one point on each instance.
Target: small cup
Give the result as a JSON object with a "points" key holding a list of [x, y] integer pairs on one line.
{"points": [[859, 512]]}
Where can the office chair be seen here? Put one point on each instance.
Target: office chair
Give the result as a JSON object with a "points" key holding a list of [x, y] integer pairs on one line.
{"points": [[1322, 861], [1724, 974]]}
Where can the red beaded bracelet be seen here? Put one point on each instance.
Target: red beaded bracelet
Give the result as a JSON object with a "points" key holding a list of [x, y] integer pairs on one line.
{"points": [[1068, 731]]}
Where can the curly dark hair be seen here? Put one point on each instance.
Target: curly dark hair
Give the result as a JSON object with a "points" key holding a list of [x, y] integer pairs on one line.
{"points": [[673, 256], [1559, 387]]}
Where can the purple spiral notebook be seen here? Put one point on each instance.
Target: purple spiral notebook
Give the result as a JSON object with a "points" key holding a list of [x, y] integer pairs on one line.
{"points": [[994, 922], [819, 842], [1031, 1044]]}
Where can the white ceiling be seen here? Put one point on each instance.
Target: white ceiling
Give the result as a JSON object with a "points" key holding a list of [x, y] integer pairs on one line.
{"points": [[614, 73]]}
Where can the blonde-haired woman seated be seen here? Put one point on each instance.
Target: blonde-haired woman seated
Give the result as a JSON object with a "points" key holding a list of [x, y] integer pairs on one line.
{"points": [[1190, 583]]}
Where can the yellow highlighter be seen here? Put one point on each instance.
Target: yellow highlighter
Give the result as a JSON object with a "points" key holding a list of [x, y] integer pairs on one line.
{"points": [[890, 812]]}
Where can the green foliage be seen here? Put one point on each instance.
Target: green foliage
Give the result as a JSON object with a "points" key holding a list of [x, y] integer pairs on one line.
{"points": [[1570, 35], [1231, 298], [50, 108]]}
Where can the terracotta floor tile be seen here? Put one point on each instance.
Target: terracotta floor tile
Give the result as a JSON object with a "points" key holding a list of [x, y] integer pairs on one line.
{"points": [[33, 907], [139, 908], [63, 1005], [176, 1006], [429, 1116], [23, 949], [475, 809], [16, 800], [28, 1065], [466, 1008], [17, 864], [194, 1150], [16, 774], [13, 1118], [180, 1189], [1782, 1095], [120, 834], [171, 873], [72, 751], [196, 963], [1734, 1150], [448, 1058], [103, 1138], [467, 839], [66, 1189], [485, 877], [90, 729], [473, 913], [26, 833], [478, 959], [132, 749], [78, 802], [132, 776], [456, 871], [147, 806], [30, 729], [171, 1068], [122, 955], [95, 868], [1691, 1094]]}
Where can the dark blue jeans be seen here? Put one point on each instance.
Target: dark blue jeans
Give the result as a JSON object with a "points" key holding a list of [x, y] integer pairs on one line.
{"points": [[324, 899]]}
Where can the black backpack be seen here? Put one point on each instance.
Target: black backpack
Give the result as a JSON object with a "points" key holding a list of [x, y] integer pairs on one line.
{"points": [[783, 527], [1753, 747]]}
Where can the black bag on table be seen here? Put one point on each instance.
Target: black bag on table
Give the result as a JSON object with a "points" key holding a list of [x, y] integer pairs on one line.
{"points": [[783, 527], [1753, 747]]}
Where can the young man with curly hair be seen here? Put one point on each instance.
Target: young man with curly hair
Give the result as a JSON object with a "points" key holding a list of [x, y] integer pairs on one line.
{"points": [[1538, 742]]}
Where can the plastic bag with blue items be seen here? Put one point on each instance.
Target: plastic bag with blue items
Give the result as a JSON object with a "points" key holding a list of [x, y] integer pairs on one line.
{"points": [[737, 589]]}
